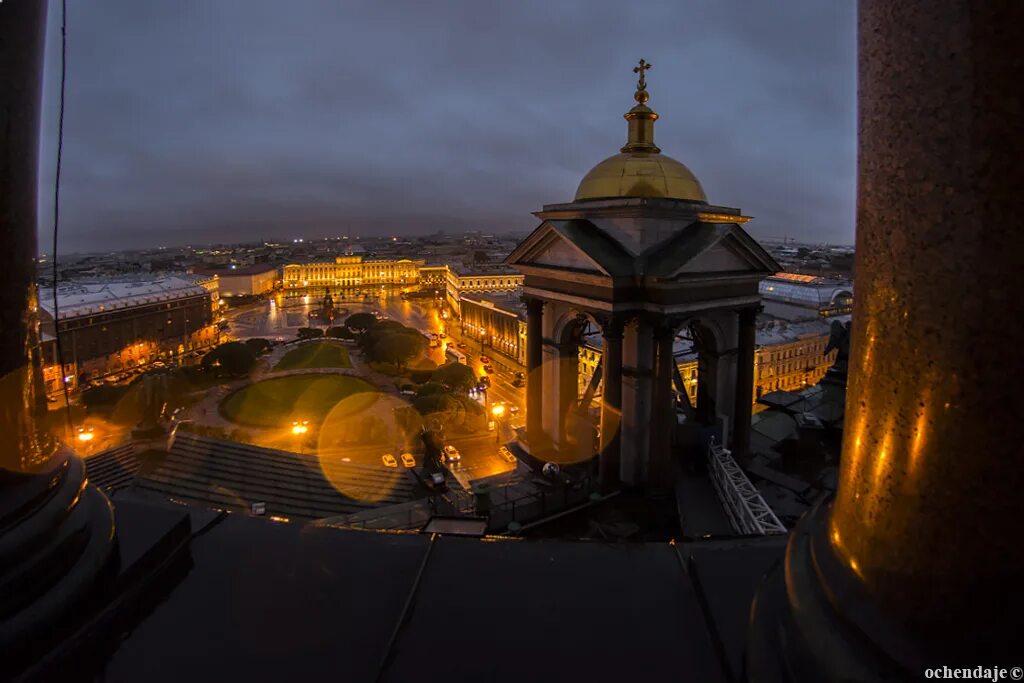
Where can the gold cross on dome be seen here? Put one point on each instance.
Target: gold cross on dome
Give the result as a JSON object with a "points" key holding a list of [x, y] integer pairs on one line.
{"points": [[643, 67]]}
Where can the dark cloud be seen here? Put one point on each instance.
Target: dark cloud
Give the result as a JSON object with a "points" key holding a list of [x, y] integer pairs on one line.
{"points": [[203, 120]]}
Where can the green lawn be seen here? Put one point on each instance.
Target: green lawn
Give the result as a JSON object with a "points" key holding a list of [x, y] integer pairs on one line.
{"points": [[277, 401], [319, 355]]}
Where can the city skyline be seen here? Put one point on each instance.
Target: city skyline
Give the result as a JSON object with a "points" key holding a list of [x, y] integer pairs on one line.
{"points": [[205, 123]]}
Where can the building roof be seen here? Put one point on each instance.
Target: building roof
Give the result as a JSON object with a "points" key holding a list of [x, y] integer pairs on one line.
{"points": [[509, 302], [367, 606], [87, 298], [230, 475], [804, 290], [255, 269]]}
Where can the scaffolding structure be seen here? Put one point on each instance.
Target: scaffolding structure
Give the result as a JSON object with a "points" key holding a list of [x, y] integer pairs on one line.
{"points": [[747, 511]]}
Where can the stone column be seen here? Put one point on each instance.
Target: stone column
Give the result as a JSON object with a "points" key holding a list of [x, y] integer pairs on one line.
{"points": [[534, 378], [637, 370], [659, 478], [611, 405], [567, 399], [56, 533], [919, 561], [744, 381]]}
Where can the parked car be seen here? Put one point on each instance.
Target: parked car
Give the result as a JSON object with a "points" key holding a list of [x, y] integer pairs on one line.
{"points": [[389, 460], [451, 454], [506, 454], [486, 360], [408, 460], [485, 381], [519, 382], [513, 410], [489, 369], [460, 345]]}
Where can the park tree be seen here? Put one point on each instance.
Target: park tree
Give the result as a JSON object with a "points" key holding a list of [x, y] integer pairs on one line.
{"points": [[430, 388], [105, 395], [259, 345], [339, 332], [456, 376], [396, 348], [360, 322], [437, 405], [233, 359], [421, 370]]}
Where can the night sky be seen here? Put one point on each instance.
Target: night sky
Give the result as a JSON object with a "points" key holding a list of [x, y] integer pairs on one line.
{"points": [[198, 121]]}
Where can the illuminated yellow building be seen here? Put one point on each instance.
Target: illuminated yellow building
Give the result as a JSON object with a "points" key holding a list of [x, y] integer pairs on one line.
{"points": [[350, 272], [451, 285], [789, 356], [498, 320]]}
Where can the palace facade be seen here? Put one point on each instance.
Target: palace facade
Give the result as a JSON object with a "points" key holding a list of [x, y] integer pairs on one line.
{"points": [[350, 272]]}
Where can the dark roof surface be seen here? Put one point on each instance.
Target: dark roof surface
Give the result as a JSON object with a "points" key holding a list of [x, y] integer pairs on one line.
{"points": [[266, 601]]}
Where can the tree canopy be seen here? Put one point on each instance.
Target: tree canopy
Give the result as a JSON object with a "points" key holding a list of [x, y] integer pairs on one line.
{"points": [[341, 332], [430, 388], [233, 359], [395, 347], [360, 321], [456, 375], [258, 345]]}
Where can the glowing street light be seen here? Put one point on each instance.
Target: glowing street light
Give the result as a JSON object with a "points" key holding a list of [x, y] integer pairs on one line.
{"points": [[85, 435], [300, 427], [498, 410]]}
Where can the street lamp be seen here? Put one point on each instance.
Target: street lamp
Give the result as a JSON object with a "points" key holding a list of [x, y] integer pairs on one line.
{"points": [[300, 427], [85, 435], [497, 411]]}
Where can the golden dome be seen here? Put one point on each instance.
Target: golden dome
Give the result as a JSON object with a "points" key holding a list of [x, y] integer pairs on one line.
{"points": [[640, 170], [633, 174]]}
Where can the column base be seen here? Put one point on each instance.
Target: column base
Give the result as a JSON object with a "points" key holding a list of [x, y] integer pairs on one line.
{"points": [[812, 621], [53, 552]]}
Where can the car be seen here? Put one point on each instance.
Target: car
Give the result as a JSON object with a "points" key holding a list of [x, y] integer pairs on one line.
{"points": [[389, 460], [450, 454], [408, 460], [489, 369], [513, 410], [460, 345], [519, 382], [486, 360], [408, 392], [485, 381]]}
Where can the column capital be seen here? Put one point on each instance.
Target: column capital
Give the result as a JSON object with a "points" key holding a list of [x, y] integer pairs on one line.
{"points": [[612, 325]]}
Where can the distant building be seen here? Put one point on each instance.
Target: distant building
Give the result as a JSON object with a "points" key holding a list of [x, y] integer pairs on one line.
{"points": [[247, 280], [795, 297], [350, 272], [451, 284], [498, 321], [108, 328]]}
